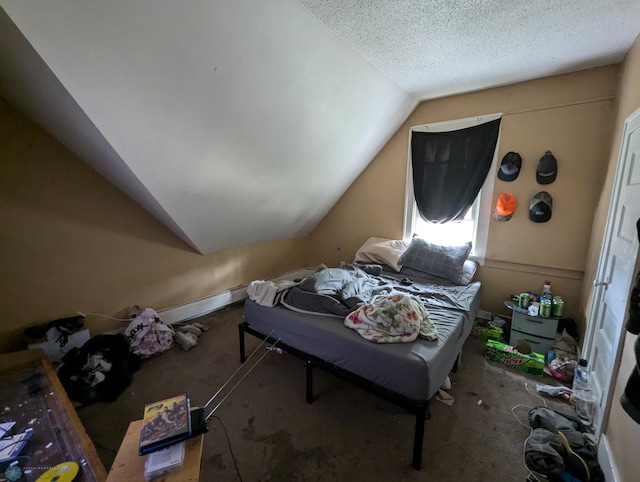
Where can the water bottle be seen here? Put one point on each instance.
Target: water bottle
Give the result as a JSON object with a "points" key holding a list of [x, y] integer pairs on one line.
{"points": [[583, 393]]}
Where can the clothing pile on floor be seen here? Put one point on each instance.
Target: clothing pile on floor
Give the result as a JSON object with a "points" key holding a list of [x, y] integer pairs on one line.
{"points": [[560, 448], [149, 336]]}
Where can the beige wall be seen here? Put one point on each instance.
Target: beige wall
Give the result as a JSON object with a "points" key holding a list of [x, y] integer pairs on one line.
{"points": [[71, 241], [569, 114], [622, 432]]}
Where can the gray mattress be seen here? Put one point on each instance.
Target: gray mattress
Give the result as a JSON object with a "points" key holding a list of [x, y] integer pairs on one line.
{"points": [[415, 370]]}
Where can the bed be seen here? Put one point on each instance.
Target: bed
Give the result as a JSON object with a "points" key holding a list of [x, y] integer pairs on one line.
{"points": [[405, 374]]}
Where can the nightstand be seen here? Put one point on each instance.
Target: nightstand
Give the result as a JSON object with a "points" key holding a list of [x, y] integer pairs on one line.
{"points": [[538, 331]]}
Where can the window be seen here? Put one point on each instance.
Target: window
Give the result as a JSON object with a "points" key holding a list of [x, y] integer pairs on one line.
{"points": [[475, 225]]}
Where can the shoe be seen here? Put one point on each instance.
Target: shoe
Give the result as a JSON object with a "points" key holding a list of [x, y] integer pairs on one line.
{"points": [[200, 326], [190, 329], [186, 340]]}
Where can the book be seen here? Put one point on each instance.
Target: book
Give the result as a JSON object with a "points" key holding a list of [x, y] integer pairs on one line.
{"points": [[165, 422]]}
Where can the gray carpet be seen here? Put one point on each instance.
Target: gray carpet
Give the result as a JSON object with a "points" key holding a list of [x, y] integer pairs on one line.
{"points": [[346, 434]]}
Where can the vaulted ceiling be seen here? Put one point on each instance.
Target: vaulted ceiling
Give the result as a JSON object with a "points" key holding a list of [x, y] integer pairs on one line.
{"points": [[236, 122]]}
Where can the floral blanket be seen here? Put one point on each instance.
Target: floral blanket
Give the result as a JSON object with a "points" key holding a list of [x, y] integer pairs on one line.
{"points": [[394, 318]]}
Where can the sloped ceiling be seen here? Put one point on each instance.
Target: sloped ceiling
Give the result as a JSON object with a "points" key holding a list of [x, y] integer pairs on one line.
{"points": [[237, 122]]}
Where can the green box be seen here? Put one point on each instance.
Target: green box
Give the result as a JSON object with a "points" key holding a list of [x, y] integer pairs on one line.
{"points": [[485, 333], [507, 355]]}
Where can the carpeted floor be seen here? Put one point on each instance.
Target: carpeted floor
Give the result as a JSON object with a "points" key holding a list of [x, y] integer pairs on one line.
{"points": [[346, 434]]}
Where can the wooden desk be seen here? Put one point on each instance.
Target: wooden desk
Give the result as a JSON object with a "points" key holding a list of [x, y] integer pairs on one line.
{"points": [[129, 466], [32, 396]]}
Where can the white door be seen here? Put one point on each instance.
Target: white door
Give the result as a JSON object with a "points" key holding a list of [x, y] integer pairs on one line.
{"points": [[616, 268]]}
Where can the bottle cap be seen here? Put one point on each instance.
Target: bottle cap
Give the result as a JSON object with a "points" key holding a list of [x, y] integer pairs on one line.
{"points": [[582, 362]]}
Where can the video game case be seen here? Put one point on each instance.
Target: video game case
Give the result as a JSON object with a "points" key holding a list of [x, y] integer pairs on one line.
{"points": [[165, 422]]}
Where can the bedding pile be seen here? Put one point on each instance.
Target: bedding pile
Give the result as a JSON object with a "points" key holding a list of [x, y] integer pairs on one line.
{"points": [[384, 303]]}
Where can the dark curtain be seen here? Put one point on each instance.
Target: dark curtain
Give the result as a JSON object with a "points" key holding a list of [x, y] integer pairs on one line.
{"points": [[449, 169]]}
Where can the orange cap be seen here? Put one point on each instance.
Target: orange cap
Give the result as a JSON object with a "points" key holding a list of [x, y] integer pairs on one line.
{"points": [[505, 207]]}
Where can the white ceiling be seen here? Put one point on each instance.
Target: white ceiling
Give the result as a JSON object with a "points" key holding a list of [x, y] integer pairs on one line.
{"points": [[236, 122]]}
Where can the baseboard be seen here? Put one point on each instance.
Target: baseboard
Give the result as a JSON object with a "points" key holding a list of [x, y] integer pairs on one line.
{"points": [[606, 460], [209, 304]]}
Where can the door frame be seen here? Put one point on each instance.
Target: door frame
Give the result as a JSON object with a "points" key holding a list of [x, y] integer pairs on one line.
{"points": [[631, 123]]}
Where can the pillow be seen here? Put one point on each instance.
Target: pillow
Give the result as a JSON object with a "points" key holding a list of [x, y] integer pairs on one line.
{"points": [[382, 250], [437, 260], [469, 269]]}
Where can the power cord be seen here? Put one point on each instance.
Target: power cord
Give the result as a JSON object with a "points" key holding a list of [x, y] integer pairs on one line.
{"points": [[531, 475], [233, 457], [103, 316]]}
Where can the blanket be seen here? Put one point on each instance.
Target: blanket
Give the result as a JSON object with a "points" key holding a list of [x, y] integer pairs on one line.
{"points": [[392, 319], [335, 291], [268, 293], [340, 291]]}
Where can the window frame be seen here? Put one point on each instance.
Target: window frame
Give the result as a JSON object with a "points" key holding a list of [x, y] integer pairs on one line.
{"points": [[482, 206]]}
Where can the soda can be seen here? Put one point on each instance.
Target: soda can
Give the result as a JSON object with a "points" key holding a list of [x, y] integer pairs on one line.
{"points": [[523, 300], [545, 307], [558, 306]]}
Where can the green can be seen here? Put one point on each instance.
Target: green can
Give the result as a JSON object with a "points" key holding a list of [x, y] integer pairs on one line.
{"points": [[523, 300], [558, 306], [545, 307]]}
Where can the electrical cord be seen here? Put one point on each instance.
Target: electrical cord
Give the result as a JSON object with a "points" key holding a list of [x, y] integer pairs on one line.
{"points": [[103, 316], [233, 457], [531, 475]]}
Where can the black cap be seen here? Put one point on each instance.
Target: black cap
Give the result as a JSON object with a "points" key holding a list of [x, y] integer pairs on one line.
{"points": [[510, 167], [540, 207], [547, 169]]}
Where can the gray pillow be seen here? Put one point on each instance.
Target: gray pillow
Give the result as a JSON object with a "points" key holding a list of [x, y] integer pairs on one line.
{"points": [[437, 260]]}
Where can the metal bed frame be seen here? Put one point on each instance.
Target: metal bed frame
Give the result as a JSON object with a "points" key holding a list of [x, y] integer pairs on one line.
{"points": [[419, 408]]}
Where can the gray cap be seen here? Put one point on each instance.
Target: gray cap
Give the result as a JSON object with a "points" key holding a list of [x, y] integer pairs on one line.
{"points": [[540, 207]]}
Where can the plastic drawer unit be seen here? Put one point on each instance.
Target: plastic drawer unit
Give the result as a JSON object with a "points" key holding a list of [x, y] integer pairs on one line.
{"points": [[538, 331]]}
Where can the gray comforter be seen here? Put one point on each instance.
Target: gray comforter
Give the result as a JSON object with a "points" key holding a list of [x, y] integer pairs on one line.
{"points": [[339, 291]]}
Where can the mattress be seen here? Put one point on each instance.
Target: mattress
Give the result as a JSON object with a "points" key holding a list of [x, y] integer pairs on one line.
{"points": [[415, 370]]}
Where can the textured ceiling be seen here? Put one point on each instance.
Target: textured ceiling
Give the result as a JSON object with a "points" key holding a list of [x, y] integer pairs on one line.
{"points": [[236, 122], [435, 48]]}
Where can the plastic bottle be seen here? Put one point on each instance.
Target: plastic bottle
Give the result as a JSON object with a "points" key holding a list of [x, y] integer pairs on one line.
{"points": [[546, 289], [582, 392]]}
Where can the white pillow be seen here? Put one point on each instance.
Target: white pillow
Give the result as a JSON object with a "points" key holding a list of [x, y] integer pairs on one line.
{"points": [[382, 250], [469, 269]]}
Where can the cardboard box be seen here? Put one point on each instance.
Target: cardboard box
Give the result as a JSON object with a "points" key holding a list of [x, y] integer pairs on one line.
{"points": [[507, 355], [489, 332]]}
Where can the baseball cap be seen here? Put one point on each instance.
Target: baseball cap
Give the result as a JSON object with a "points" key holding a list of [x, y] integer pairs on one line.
{"points": [[540, 207], [510, 167], [547, 169], [505, 207]]}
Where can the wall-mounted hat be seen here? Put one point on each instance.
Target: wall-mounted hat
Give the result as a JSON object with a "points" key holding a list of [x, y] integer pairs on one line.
{"points": [[547, 169], [540, 207], [505, 207], [510, 167]]}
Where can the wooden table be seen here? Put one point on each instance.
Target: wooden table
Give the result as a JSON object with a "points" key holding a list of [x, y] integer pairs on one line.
{"points": [[32, 396], [129, 466]]}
